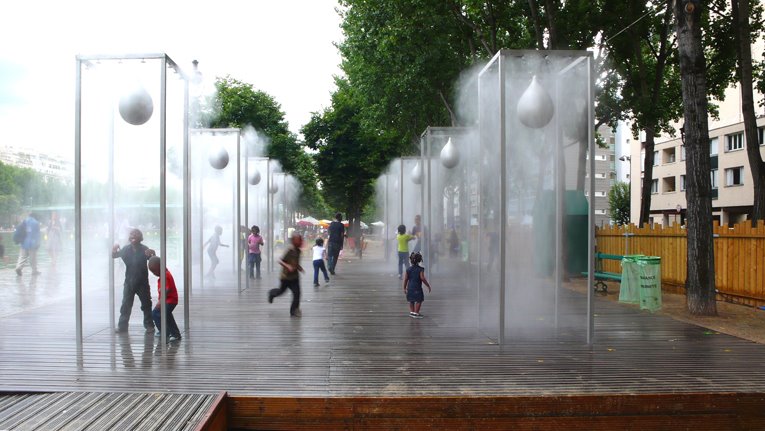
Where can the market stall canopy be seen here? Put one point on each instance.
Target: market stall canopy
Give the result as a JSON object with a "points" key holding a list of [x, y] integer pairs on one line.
{"points": [[308, 221]]}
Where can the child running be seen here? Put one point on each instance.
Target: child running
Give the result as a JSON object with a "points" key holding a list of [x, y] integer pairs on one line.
{"points": [[319, 254], [413, 281], [212, 250], [403, 239], [171, 301]]}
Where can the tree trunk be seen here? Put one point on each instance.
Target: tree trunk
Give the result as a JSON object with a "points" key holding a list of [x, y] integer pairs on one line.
{"points": [[700, 279], [744, 54], [645, 190], [537, 24]]}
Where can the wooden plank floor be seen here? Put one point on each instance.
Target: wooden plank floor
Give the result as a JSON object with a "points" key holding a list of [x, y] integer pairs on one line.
{"points": [[355, 339], [76, 411]]}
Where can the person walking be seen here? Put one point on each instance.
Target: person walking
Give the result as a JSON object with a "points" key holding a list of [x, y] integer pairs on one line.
{"points": [[290, 276], [319, 254], [413, 281], [336, 233], [27, 235]]}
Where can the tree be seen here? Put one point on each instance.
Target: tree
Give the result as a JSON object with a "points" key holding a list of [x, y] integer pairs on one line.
{"points": [[741, 17], [700, 279], [238, 104], [619, 203], [350, 157]]}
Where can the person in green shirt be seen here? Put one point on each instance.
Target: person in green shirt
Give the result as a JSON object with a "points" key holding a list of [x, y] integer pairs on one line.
{"points": [[403, 239]]}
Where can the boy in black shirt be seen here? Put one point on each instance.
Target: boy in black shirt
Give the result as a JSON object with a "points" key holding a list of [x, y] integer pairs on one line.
{"points": [[135, 255]]}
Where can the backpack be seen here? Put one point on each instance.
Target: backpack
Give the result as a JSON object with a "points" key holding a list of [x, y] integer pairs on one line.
{"points": [[20, 233]]}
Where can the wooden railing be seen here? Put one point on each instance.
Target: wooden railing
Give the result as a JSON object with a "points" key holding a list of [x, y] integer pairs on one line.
{"points": [[739, 256]]}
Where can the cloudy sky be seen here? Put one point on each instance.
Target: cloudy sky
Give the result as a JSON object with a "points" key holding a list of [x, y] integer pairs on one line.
{"points": [[284, 47]]}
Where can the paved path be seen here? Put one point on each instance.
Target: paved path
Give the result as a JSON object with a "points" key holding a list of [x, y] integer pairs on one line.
{"points": [[355, 338]]}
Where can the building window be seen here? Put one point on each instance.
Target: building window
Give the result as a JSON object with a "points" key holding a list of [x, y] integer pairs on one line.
{"points": [[654, 186], [713, 176], [713, 146], [734, 142], [600, 212], [682, 183], [682, 152], [760, 137], [600, 175], [656, 158], [734, 176], [668, 184], [668, 155]]}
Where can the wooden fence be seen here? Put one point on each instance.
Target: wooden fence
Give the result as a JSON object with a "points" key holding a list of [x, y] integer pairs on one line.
{"points": [[739, 256]]}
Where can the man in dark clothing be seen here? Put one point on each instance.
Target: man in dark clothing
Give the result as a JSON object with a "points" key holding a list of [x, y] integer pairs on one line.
{"points": [[335, 242], [135, 255]]}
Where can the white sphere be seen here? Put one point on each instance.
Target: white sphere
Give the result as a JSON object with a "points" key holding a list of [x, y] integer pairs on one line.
{"points": [[417, 174], [450, 156], [136, 106], [535, 108], [218, 158], [273, 188], [254, 178]]}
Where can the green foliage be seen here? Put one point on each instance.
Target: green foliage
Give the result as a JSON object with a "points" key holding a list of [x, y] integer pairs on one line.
{"points": [[238, 104], [22, 188], [619, 203], [349, 156]]}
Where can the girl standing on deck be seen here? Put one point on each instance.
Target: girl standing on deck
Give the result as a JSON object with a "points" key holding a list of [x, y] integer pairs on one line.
{"points": [[413, 281]]}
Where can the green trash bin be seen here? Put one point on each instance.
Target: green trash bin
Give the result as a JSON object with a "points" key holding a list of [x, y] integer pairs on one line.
{"points": [[629, 289], [650, 282]]}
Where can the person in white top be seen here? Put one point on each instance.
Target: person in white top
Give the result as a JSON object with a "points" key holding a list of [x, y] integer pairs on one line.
{"points": [[319, 254]]}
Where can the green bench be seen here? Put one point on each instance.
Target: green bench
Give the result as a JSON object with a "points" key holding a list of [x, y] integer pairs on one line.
{"points": [[602, 276]]}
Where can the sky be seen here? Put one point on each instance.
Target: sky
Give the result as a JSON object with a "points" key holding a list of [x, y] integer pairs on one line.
{"points": [[283, 47]]}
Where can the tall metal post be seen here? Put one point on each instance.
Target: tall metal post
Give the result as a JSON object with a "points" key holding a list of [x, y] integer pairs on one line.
{"points": [[591, 224], [78, 204], [246, 213], [386, 233], [270, 217], [237, 246], [502, 200], [559, 205], [111, 212], [187, 276], [401, 192], [163, 199]]}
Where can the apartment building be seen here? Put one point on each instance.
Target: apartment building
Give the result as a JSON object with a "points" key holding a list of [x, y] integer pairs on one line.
{"points": [[50, 166], [605, 175], [732, 188]]}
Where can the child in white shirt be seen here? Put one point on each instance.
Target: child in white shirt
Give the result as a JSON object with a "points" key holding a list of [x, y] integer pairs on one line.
{"points": [[319, 254]]}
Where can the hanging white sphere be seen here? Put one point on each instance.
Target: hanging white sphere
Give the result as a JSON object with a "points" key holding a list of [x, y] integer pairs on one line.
{"points": [[450, 156], [218, 158], [136, 106], [417, 174], [273, 188], [254, 178], [535, 107]]}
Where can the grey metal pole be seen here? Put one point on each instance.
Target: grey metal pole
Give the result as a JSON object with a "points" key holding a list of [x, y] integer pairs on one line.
{"points": [[559, 207], [78, 204], [163, 200], [246, 213], [386, 234], [187, 276], [591, 224], [112, 218], [479, 219], [502, 201], [270, 217], [237, 246], [201, 239], [401, 193]]}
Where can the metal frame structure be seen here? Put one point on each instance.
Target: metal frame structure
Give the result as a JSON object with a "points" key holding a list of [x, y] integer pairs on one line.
{"points": [[165, 62], [500, 63], [247, 168], [236, 263]]}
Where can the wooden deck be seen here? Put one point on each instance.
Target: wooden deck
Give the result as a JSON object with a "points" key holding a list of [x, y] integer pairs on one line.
{"points": [[356, 340]]}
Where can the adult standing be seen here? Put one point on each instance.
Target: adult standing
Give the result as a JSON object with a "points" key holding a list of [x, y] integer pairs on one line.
{"points": [[135, 255], [29, 245], [336, 232]]}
